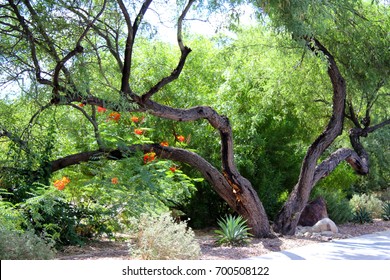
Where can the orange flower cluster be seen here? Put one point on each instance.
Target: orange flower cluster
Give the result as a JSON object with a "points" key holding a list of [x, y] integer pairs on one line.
{"points": [[114, 180], [134, 119], [172, 168], [149, 157], [164, 144], [180, 138], [101, 109], [138, 131], [60, 184], [114, 116]]}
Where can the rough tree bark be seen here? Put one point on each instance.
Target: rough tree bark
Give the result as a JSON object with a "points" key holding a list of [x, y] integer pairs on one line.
{"points": [[288, 217]]}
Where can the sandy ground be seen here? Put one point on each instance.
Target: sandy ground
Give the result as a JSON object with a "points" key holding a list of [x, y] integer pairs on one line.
{"points": [[107, 249]]}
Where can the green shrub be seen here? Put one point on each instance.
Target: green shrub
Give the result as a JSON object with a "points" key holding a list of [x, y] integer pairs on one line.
{"points": [[233, 231], [48, 213], [337, 205], [17, 245], [161, 238], [386, 211], [368, 201], [362, 216]]}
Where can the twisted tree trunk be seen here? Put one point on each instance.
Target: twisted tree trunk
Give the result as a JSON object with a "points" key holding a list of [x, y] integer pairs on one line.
{"points": [[288, 217]]}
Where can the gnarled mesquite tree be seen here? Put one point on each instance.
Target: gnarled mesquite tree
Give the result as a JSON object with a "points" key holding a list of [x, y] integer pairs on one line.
{"points": [[55, 42], [52, 66]]}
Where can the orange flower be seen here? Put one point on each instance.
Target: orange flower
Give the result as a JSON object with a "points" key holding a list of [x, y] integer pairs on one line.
{"points": [[134, 119], [164, 144], [180, 138], [149, 157], [101, 109], [60, 184], [81, 105], [138, 131], [172, 168], [66, 180], [115, 116], [114, 180]]}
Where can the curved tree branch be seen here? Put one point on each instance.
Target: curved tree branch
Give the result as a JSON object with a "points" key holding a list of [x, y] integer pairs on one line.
{"points": [[75, 51], [184, 53], [31, 41], [218, 181], [131, 33], [288, 217]]}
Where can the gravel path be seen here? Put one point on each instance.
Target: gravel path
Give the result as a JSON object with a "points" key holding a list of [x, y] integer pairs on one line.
{"points": [[105, 249]]}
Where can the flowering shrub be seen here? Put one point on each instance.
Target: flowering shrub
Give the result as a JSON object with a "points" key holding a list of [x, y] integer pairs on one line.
{"points": [[134, 119], [114, 116], [164, 144], [368, 201], [180, 138], [101, 109], [114, 180], [149, 157], [161, 238], [17, 245]]}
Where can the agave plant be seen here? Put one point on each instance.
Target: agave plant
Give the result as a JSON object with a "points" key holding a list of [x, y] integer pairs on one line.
{"points": [[233, 231], [362, 215], [386, 211]]}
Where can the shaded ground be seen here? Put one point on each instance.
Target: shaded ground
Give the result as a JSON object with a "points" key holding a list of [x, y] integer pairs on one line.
{"points": [[107, 249]]}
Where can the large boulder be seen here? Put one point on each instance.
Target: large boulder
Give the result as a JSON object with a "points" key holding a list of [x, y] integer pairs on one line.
{"points": [[314, 211], [325, 225]]}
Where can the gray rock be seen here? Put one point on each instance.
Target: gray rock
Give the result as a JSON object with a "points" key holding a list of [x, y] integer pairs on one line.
{"points": [[325, 224]]}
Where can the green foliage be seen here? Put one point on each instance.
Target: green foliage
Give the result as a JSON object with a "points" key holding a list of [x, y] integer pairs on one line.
{"points": [[48, 213], [361, 215], [386, 211], [233, 231], [204, 207], [369, 202], [161, 238], [337, 205], [16, 245]]}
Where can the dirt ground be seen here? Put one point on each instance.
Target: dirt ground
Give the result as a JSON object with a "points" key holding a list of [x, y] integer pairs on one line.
{"points": [[108, 249]]}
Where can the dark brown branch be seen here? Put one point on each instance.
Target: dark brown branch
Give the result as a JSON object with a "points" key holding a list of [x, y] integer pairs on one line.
{"points": [[104, 35], [288, 217], [328, 165], [126, 71], [184, 53], [380, 125], [41, 29], [209, 172], [5, 133], [140, 16], [352, 115], [31, 41], [75, 51], [94, 124]]}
